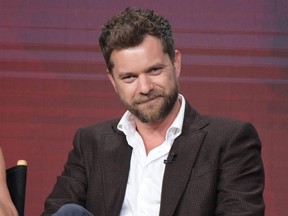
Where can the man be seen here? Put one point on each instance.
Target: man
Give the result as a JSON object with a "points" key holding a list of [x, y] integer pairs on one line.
{"points": [[161, 157]]}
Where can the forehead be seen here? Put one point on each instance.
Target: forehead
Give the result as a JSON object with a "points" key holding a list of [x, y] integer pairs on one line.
{"points": [[146, 54]]}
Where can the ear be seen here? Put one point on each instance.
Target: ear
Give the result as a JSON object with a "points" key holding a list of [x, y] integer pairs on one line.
{"points": [[111, 78], [177, 62]]}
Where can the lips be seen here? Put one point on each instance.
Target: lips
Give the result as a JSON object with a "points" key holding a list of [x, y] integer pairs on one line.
{"points": [[147, 100]]}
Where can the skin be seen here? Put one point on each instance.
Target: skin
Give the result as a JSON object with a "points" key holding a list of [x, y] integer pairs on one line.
{"points": [[6, 206], [146, 80]]}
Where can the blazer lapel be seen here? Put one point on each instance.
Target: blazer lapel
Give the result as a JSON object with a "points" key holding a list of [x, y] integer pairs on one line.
{"points": [[115, 168], [177, 173]]}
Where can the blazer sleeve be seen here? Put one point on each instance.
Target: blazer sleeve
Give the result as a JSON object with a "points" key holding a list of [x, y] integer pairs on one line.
{"points": [[72, 183], [241, 175]]}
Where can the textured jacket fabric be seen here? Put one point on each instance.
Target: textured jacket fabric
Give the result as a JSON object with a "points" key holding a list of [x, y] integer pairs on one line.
{"points": [[217, 170]]}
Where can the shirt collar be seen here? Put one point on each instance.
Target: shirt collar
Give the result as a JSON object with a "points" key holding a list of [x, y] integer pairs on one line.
{"points": [[176, 127]]}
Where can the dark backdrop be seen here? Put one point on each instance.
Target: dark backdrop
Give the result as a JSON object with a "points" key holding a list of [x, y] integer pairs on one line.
{"points": [[52, 78]]}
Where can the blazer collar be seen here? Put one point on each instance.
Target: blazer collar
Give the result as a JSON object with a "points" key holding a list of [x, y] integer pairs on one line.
{"points": [[186, 148], [115, 161]]}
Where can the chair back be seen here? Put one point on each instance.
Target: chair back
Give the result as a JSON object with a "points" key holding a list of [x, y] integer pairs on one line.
{"points": [[16, 181]]}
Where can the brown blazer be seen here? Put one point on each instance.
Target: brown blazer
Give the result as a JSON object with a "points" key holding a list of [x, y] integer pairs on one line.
{"points": [[217, 170]]}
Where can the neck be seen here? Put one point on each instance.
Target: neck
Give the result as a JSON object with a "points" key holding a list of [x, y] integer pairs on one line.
{"points": [[153, 134]]}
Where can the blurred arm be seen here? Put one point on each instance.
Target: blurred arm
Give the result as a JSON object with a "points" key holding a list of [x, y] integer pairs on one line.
{"points": [[7, 208]]}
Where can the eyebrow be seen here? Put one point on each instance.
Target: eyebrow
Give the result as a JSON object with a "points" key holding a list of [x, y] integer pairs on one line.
{"points": [[156, 66], [122, 74]]}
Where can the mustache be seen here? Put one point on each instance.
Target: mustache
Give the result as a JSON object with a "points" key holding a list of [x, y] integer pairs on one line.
{"points": [[150, 96]]}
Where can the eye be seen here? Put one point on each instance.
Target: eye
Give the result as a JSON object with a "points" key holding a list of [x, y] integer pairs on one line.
{"points": [[128, 78], [155, 70]]}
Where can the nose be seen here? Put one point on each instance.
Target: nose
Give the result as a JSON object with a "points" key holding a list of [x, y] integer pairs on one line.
{"points": [[145, 84]]}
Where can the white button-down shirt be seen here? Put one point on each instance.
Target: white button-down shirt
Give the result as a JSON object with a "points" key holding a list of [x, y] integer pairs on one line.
{"points": [[143, 192]]}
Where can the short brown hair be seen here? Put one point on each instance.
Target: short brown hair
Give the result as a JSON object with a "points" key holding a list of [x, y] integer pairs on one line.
{"points": [[129, 28]]}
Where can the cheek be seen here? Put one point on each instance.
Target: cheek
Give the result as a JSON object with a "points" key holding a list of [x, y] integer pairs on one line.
{"points": [[125, 92], [168, 81]]}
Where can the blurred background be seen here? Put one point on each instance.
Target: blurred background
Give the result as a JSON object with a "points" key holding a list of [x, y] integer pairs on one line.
{"points": [[53, 79]]}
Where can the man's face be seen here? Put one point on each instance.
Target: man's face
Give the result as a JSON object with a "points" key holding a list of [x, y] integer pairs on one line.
{"points": [[146, 80]]}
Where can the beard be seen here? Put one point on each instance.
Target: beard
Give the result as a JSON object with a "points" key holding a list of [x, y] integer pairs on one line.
{"points": [[158, 110]]}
